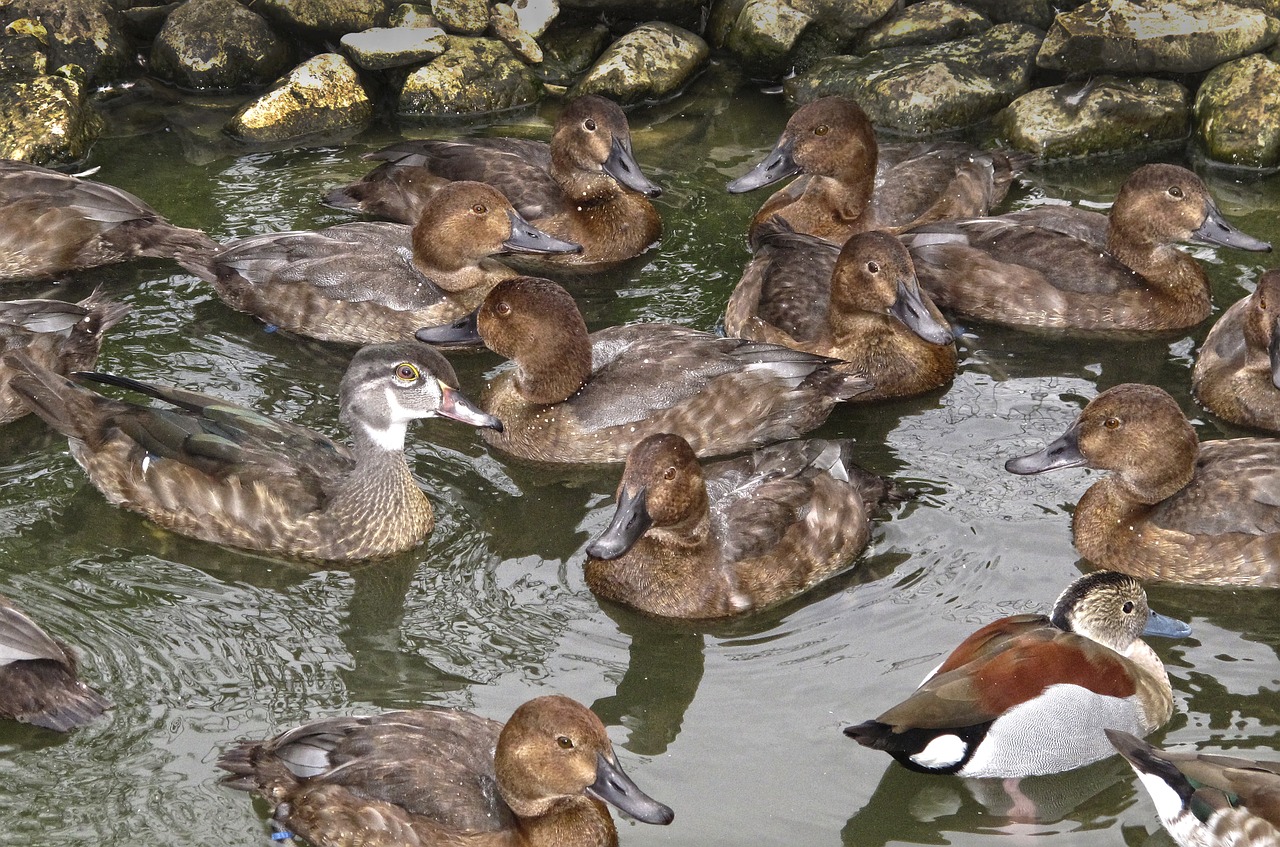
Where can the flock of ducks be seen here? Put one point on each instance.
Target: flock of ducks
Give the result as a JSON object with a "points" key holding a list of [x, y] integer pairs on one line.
{"points": [[854, 264]]}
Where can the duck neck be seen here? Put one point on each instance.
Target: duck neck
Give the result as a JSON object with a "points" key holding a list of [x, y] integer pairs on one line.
{"points": [[1162, 266], [552, 373], [379, 494], [847, 198], [582, 187], [1157, 704], [1111, 530], [570, 822], [439, 259]]}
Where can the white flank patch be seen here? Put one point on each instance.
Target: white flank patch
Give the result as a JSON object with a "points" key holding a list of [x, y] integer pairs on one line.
{"points": [[942, 752]]}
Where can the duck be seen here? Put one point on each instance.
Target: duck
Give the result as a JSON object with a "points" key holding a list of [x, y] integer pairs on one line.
{"points": [[1059, 268], [223, 473], [850, 183], [375, 282], [39, 681], [1031, 694], [1172, 508], [584, 187], [579, 397], [52, 224], [860, 303], [437, 776], [1207, 800], [60, 336], [1237, 371], [734, 537]]}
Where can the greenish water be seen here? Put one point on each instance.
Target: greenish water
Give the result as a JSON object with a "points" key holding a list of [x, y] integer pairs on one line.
{"points": [[737, 727]]}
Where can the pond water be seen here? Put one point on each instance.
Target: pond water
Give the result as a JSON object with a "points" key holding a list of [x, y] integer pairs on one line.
{"points": [[736, 726]]}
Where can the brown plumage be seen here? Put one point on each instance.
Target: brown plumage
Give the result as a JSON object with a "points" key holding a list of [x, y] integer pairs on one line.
{"points": [[1237, 371]]}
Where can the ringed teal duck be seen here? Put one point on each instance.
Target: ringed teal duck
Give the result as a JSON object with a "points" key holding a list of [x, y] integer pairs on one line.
{"points": [[53, 223], [1029, 694], [435, 776], [1172, 508], [579, 397], [1069, 268], [38, 680], [367, 282], [60, 336], [860, 303], [734, 537], [584, 187], [1237, 371], [226, 474], [849, 183], [1207, 800]]}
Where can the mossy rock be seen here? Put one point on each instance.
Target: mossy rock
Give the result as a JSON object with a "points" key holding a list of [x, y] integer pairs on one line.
{"points": [[474, 75], [1238, 112]]}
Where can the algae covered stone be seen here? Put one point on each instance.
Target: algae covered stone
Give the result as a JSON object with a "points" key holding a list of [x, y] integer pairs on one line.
{"points": [[651, 62], [1238, 112], [321, 97], [394, 47], [330, 18], [218, 44], [88, 33], [46, 120], [473, 75], [930, 22]]}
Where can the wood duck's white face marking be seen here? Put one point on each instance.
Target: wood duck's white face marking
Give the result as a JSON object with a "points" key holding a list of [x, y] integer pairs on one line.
{"points": [[1167, 802], [942, 752]]}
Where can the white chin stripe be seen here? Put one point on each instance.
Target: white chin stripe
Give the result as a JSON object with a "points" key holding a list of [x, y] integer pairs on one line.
{"points": [[390, 438], [945, 751], [1167, 802]]}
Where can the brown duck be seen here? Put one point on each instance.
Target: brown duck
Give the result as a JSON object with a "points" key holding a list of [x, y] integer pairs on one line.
{"points": [[1237, 371]]}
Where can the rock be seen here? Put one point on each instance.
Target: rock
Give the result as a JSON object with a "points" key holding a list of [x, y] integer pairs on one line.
{"points": [[394, 47], [22, 50], [535, 16], [143, 23], [764, 34], [88, 33], [46, 120], [771, 37], [920, 90], [650, 62], [322, 97], [1103, 115], [505, 26], [1036, 13], [1237, 112], [218, 44], [1176, 36], [844, 19], [474, 75], [930, 22], [325, 18], [683, 12], [568, 50], [465, 17], [408, 14]]}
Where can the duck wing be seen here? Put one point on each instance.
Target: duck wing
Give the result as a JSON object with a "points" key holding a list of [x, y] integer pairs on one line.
{"points": [[795, 280], [21, 640], [1236, 488], [922, 182]]}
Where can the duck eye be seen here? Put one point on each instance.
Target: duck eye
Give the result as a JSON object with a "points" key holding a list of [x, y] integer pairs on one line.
{"points": [[669, 473], [1175, 191], [503, 308], [1127, 608], [480, 208], [565, 742], [406, 372], [589, 125], [821, 129], [873, 267], [1111, 423]]}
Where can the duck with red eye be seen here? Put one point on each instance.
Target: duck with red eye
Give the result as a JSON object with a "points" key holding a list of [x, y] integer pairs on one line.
{"points": [[1237, 371], [1172, 508]]}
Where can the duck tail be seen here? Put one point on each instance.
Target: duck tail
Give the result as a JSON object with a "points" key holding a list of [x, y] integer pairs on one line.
{"points": [[60, 402], [58, 700], [104, 312], [840, 380], [241, 764]]}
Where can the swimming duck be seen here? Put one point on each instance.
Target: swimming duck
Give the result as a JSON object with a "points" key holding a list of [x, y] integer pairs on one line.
{"points": [[1237, 372], [435, 776], [60, 336], [849, 183], [226, 474], [584, 187], [1172, 508], [1028, 694], [579, 397], [38, 681], [860, 303], [367, 282], [736, 536], [53, 223], [1070, 268], [1207, 800]]}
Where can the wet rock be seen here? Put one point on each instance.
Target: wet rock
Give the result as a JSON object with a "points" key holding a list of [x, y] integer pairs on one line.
{"points": [[651, 62], [920, 90], [409, 14], [1176, 36], [567, 52], [1036, 13], [325, 18], [218, 44], [46, 120], [88, 33], [763, 35], [394, 47], [505, 26], [473, 75], [143, 23], [842, 20], [535, 16], [930, 22], [465, 17], [1237, 112], [22, 50], [684, 12], [1103, 115], [322, 97], [771, 37]]}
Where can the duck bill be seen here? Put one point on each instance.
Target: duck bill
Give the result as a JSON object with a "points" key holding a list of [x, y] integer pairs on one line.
{"points": [[778, 165], [455, 406], [1273, 353], [1064, 452], [613, 786], [622, 166], [910, 308], [1166, 627], [465, 330], [630, 520], [527, 238], [1215, 231]]}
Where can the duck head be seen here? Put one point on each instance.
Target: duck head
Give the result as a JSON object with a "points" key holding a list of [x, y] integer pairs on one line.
{"points": [[592, 136], [831, 136], [874, 274], [1111, 609], [1163, 204]]}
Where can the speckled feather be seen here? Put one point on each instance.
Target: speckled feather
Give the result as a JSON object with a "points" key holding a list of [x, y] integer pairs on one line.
{"points": [[38, 682]]}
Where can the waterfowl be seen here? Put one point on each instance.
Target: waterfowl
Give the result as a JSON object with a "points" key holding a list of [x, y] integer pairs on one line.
{"points": [[733, 537], [1237, 371], [584, 187], [1172, 508], [374, 282], [38, 680], [1069, 268], [435, 776], [579, 397], [60, 336], [860, 303], [849, 183], [1207, 800], [226, 474], [1029, 694], [53, 223]]}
